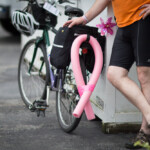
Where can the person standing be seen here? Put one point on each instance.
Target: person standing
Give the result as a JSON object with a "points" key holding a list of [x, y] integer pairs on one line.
{"points": [[131, 44]]}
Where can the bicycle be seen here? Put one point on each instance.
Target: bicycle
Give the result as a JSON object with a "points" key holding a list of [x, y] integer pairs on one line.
{"points": [[64, 106], [36, 77]]}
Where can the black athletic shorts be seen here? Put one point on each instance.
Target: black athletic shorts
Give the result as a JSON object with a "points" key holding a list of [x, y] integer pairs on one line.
{"points": [[132, 43]]}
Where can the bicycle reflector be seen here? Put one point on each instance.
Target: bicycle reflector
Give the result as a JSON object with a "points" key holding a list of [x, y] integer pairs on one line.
{"points": [[84, 50]]}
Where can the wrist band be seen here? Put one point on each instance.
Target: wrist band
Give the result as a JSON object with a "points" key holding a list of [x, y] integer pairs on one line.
{"points": [[85, 18]]}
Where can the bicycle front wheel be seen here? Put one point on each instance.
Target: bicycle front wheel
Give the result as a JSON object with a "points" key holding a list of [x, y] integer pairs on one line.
{"points": [[67, 98], [33, 76]]}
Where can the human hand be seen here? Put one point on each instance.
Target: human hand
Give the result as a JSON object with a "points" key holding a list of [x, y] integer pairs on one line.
{"points": [[75, 21], [146, 11]]}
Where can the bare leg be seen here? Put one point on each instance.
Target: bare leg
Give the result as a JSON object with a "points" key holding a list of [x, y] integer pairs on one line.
{"points": [[144, 79], [119, 78]]}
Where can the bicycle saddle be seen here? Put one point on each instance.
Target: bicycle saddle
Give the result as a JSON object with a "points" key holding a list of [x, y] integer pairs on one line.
{"points": [[69, 10]]}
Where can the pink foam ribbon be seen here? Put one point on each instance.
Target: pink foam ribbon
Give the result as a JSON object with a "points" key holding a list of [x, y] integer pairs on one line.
{"points": [[85, 91]]}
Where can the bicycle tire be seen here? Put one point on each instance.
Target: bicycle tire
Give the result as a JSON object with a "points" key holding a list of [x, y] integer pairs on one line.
{"points": [[61, 108], [32, 86]]}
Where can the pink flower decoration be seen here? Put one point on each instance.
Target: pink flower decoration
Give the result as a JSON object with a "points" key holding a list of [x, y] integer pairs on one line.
{"points": [[106, 27]]}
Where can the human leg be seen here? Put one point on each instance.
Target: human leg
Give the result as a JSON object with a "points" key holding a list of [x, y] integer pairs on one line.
{"points": [[141, 47], [144, 79], [119, 78]]}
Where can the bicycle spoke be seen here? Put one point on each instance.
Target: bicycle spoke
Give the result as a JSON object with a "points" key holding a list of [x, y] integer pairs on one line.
{"points": [[64, 106]]}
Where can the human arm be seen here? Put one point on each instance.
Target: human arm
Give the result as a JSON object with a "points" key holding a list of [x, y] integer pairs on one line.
{"points": [[97, 8]]}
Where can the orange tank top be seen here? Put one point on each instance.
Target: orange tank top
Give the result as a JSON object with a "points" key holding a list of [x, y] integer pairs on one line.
{"points": [[127, 11]]}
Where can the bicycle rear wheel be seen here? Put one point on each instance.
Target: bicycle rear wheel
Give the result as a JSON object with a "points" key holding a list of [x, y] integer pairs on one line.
{"points": [[32, 82], [67, 98]]}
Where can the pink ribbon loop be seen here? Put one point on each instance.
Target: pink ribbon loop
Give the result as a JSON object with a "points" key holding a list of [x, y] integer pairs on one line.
{"points": [[85, 91]]}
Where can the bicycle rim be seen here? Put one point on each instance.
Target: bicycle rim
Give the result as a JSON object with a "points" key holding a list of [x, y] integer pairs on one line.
{"points": [[67, 99], [33, 84]]}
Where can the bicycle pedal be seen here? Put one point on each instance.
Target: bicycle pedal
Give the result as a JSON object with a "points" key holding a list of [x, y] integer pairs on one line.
{"points": [[39, 106]]}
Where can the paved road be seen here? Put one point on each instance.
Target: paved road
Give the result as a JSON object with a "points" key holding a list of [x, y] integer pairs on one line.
{"points": [[22, 130]]}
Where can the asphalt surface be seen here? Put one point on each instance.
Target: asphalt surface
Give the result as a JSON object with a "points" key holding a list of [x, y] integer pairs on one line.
{"points": [[21, 129]]}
